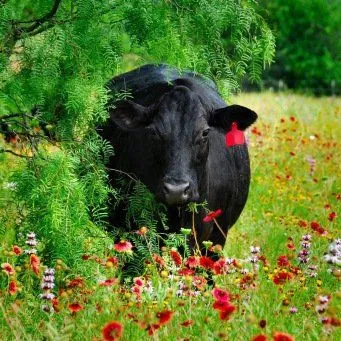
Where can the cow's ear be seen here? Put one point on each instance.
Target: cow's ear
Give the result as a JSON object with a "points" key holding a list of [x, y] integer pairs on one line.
{"points": [[224, 117], [130, 115]]}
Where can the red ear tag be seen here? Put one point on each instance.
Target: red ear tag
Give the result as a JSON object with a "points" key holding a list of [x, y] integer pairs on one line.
{"points": [[234, 136]]}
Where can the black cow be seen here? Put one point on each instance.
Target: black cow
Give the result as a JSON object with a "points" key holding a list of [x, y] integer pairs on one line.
{"points": [[171, 135]]}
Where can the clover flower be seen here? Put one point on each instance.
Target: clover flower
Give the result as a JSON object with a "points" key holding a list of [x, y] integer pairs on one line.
{"points": [[47, 285]]}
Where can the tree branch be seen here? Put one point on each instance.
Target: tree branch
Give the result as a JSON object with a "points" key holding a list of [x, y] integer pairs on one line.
{"points": [[14, 153]]}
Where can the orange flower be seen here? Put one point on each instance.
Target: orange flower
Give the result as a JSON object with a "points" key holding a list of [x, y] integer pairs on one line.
{"points": [[112, 331], [279, 336], [12, 288], [35, 263], [75, 307], [8, 268], [123, 246], [187, 323]]}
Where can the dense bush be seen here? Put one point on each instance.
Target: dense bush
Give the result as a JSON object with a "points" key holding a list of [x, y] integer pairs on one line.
{"points": [[308, 43]]}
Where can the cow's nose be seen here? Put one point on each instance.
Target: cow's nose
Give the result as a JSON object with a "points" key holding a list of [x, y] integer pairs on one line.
{"points": [[176, 194]]}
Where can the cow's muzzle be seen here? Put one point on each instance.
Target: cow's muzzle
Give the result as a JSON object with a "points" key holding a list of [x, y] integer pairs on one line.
{"points": [[176, 194]]}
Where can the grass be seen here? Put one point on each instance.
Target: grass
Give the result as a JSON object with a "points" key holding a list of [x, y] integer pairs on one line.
{"points": [[295, 156]]}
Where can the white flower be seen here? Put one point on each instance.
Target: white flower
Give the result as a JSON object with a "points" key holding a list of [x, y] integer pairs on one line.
{"points": [[254, 249]]}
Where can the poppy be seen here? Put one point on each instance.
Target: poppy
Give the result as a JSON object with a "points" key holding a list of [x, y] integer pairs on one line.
{"points": [[212, 215], [112, 331]]}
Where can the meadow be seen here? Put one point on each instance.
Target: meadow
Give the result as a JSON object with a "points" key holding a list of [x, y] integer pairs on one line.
{"points": [[278, 277]]}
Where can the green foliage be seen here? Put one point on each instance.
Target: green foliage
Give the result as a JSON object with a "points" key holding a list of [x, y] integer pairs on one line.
{"points": [[308, 42]]}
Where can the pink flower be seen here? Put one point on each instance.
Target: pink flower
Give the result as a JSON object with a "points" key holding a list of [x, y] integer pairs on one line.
{"points": [[212, 215], [123, 246], [220, 295], [8, 268]]}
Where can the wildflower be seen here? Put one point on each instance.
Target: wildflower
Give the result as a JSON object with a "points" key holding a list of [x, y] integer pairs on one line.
{"points": [[199, 282], [207, 244], [317, 228], [283, 261], [158, 259], [279, 336], [332, 216], [281, 277], [293, 310], [164, 316], [187, 323], [112, 260], [75, 307], [35, 263], [76, 283], [206, 262], [220, 267], [108, 282], [192, 262], [306, 237], [224, 315], [48, 296], [152, 328], [8, 268], [12, 288], [186, 272], [220, 295], [17, 250], [212, 215], [260, 337], [123, 246], [142, 230], [139, 281], [185, 232], [255, 249], [112, 331], [176, 257]]}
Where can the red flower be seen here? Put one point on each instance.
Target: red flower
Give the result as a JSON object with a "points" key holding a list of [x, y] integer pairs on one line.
{"points": [[302, 223], [123, 246], [108, 282], [279, 336], [291, 246], [259, 337], [212, 215], [199, 282], [187, 323], [332, 216], [221, 295], [176, 257], [76, 283], [8, 268], [12, 288], [282, 276], [164, 316], [192, 262], [152, 328], [139, 281], [112, 260], [224, 315], [17, 250], [112, 331], [75, 307], [292, 119], [317, 227], [35, 263], [220, 305], [283, 261], [186, 272], [220, 267], [206, 262]]}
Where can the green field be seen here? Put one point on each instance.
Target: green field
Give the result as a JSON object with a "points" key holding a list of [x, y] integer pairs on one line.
{"points": [[296, 191]]}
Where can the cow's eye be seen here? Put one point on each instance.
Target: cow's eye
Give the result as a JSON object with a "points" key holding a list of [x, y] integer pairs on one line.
{"points": [[205, 133]]}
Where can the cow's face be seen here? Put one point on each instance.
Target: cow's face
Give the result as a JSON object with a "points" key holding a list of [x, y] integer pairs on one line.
{"points": [[178, 129]]}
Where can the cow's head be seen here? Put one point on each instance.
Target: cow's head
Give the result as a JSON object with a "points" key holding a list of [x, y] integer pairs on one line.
{"points": [[178, 127]]}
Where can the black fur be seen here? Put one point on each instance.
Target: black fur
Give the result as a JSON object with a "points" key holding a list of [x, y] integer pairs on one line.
{"points": [[172, 130]]}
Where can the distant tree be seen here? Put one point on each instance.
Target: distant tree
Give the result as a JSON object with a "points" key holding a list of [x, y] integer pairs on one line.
{"points": [[308, 42], [56, 56]]}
